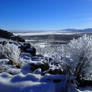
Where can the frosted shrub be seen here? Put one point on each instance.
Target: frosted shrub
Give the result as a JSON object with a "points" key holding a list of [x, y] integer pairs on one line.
{"points": [[10, 51], [54, 52], [80, 51]]}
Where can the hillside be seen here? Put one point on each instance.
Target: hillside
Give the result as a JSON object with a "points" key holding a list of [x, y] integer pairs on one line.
{"points": [[9, 35]]}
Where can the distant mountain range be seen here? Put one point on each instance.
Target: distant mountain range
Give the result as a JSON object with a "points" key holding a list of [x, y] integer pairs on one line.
{"points": [[77, 30]]}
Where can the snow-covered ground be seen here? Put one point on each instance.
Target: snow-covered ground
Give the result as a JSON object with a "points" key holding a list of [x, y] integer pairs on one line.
{"points": [[16, 80], [23, 79]]}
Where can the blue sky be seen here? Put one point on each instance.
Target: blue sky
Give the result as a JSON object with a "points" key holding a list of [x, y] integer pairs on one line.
{"points": [[45, 14]]}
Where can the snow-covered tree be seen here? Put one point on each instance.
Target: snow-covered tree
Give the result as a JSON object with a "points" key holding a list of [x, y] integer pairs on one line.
{"points": [[80, 51]]}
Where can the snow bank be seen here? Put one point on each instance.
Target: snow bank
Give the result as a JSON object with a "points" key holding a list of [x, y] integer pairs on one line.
{"points": [[23, 83]]}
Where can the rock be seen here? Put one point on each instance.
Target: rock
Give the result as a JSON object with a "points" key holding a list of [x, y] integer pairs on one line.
{"points": [[33, 66], [31, 50], [56, 71], [17, 38], [83, 83], [40, 56], [26, 47], [56, 80], [10, 73], [43, 67]]}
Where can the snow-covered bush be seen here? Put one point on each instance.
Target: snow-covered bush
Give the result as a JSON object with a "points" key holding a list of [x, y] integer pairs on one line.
{"points": [[54, 52], [10, 51], [80, 51]]}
